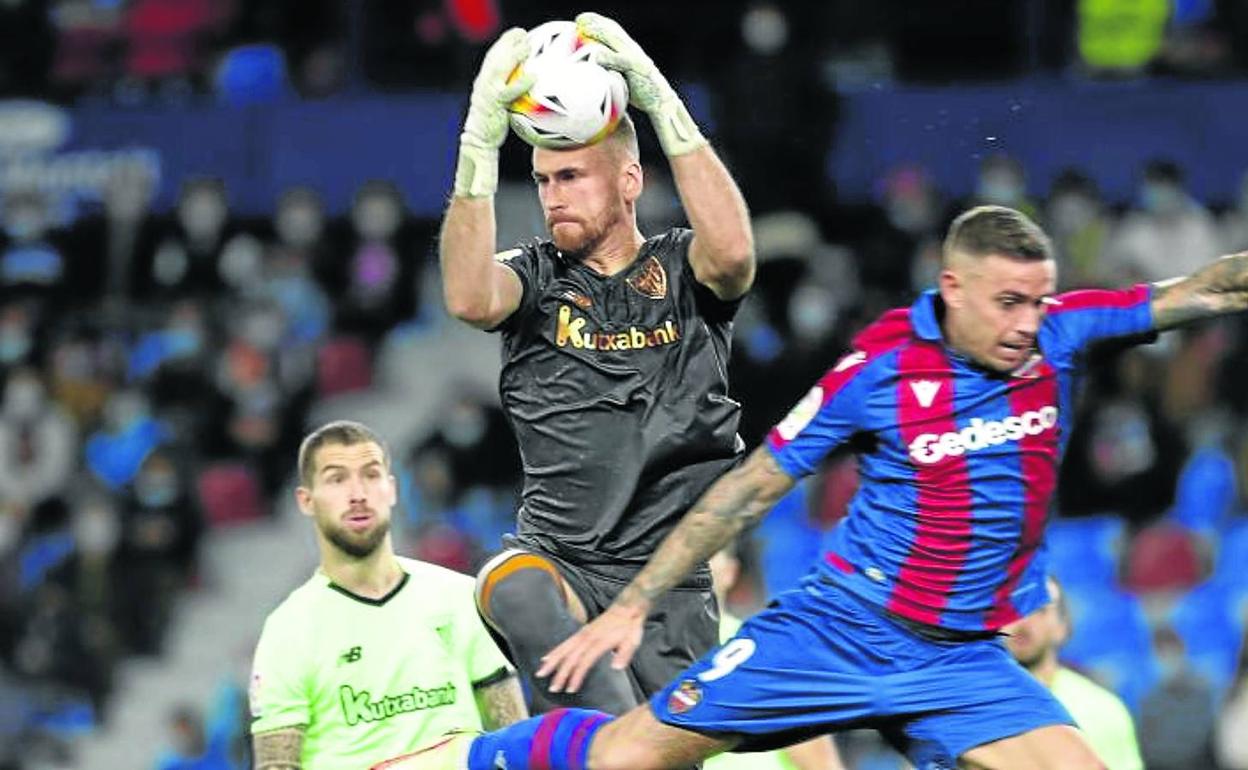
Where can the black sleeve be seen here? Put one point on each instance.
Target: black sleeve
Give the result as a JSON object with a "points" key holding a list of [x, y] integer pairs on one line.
{"points": [[524, 262], [711, 307]]}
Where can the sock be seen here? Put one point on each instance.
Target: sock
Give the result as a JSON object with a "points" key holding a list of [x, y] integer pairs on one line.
{"points": [[555, 741]]}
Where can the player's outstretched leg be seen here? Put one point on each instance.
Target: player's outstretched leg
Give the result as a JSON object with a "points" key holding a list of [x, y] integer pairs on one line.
{"points": [[570, 739], [449, 752], [525, 601], [1055, 747]]}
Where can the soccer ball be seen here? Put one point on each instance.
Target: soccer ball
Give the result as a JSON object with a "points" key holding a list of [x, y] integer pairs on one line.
{"points": [[574, 101]]}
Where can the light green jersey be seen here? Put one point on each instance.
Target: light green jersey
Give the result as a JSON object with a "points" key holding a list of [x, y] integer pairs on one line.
{"points": [[1102, 717], [770, 760], [373, 679]]}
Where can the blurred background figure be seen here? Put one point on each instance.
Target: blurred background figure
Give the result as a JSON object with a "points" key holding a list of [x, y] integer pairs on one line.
{"points": [[376, 278], [1177, 718], [1079, 225], [110, 247], [816, 754], [1232, 728], [1003, 182], [197, 745], [1167, 234], [1034, 641]]}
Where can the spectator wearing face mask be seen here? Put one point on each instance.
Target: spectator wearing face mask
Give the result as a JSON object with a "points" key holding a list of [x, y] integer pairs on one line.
{"points": [[108, 249], [376, 286], [1177, 717], [1168, 234], [19, 341], [899, 251], [294, 271], [1003, 182], [204, 253], [38, 442], [160, 532], [1079, 226], [1123, 455]]}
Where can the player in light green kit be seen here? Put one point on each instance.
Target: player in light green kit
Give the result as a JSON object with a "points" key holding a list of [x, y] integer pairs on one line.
{"points": [[815, 754], [1101, 715], [375, 654]]}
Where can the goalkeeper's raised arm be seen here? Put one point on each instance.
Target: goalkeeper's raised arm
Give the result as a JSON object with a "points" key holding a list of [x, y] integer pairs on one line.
{"points": [[722, 252], [477, 289]]}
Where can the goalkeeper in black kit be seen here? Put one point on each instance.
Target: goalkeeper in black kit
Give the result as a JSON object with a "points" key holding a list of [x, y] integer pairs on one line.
{"points": [[615, 348]]}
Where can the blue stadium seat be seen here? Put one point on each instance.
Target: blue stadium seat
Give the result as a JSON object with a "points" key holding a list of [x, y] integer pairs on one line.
{"points": [[1084, 551], [1231, 567], [789, 542], [1110, 640], [252, 74], [1212, 630], [1206, 492]]}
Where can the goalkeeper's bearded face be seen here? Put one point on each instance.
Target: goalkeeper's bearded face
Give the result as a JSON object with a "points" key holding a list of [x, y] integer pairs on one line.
{"points": [[586, 194]]}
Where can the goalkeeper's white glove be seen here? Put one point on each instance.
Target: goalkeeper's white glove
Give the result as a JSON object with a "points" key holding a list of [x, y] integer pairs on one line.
{"points": [[648, 90], [485, 128]]}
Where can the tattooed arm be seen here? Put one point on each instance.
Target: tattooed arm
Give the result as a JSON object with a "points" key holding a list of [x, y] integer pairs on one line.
{"points": [[1217, 288], [500, 703], [279, 749], [735, 501], [738, 499]]}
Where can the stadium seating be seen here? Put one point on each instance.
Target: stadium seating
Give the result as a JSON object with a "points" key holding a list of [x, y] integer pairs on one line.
{"points": [[1206, 491], [343, 365], [1084, 551], [1111, 640], [229, 493], [1163, 558], [1231, 566], [1205, 619]]}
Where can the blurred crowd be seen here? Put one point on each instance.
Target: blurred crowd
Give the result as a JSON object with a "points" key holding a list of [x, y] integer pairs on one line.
{"points": [[157, 374], [157, 368], [168, 51]]}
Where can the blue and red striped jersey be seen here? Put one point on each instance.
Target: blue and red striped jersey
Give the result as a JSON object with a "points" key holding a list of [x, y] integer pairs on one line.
{"points": [[958, 464]]}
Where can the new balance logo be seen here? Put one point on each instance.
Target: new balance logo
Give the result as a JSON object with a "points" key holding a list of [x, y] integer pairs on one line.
{"points": [[351, 655], [931, 448], [925, 391]]}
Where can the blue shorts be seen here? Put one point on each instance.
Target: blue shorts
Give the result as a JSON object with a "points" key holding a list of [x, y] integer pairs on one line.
{"points": [[819, 660]]}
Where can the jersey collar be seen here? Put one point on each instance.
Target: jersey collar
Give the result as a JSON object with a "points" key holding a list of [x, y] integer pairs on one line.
{"points": [[379, 602], [924, 316]]}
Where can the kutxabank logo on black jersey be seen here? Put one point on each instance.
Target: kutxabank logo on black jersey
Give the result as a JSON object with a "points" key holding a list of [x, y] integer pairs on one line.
{"points": [[570, 330], [360, 706]]}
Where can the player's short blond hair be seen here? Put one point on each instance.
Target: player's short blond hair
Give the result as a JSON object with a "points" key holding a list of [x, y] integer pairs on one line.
{"points": [[624, 137], [341, 432], [986, 230]]}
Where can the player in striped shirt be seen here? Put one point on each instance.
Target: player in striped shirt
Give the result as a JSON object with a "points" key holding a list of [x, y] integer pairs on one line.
{"points": [[958, 407]]}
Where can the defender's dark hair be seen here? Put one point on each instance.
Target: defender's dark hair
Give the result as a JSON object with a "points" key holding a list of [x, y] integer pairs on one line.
{"points": [[344, 432]]}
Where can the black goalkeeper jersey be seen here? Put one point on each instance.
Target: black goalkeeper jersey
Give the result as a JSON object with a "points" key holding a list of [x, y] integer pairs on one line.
{"points": [[617, 390]]}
